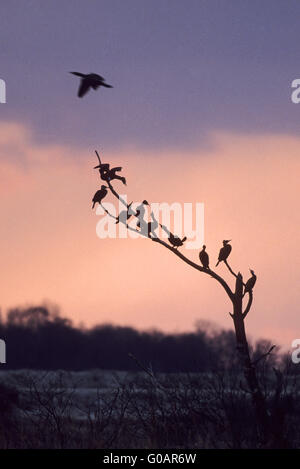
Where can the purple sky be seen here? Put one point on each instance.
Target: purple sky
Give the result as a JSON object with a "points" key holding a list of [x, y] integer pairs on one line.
{"points": [[180, 69], [203, 82]]}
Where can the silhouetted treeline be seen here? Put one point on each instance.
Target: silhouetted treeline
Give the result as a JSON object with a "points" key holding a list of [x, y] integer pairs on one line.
{"points": [[39, 338]]}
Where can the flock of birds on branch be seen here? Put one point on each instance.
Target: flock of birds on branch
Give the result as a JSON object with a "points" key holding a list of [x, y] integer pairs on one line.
{"points": [[107, 174], [93, 80], [148, 228]]}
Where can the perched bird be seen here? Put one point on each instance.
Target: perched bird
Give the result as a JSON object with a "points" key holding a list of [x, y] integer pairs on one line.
{"points": [[140, 209], [90, 80], [108, 174], [124, 215], [250, 282], [112, 175], [224, 251], [140, 213], [99, 196], [204, 259], [174, 239], [103, 169], [152, 225]]}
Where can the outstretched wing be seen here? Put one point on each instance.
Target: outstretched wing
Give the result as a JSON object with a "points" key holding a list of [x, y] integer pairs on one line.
{"points": [[82, 75], [83, 88]]}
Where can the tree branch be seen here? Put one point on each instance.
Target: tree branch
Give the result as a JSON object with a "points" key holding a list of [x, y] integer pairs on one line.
{"points": [[117, 195], [247, 309], [108, 213], [197, 267], [97, 154], [124, 223], [230, 269], [146, 370], [264, 355], [176, 251]]}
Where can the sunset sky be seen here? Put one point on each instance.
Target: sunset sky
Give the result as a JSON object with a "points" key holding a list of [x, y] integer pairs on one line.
{"points": [[200, 112]]}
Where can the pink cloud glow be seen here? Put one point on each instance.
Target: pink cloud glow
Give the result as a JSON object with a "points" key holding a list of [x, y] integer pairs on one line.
{"points": [[50, 251]]}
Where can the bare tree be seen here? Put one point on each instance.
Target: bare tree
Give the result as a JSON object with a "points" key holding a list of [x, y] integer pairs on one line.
{"points": [[241, 297]]}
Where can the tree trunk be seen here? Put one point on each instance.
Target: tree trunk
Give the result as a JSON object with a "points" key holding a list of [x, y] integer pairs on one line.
{"points": [[259, 403]]}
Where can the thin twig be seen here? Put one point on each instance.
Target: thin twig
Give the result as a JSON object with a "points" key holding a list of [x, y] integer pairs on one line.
{"points": [[231, 271], [146, 370], [264, 355], [98, 157], [108, 213]]}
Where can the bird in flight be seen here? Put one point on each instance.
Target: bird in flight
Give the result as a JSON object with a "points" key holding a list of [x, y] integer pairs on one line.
{"points": [[91, 80]]}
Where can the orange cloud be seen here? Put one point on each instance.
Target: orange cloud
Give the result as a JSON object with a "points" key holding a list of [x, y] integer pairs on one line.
{"points": [[50, 251]]}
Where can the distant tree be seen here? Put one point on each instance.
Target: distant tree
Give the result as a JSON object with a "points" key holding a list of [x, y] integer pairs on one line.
{"points": [[38, 338]]}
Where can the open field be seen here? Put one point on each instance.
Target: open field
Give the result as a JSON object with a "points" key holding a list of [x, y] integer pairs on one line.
{"points": [[111, 409]]}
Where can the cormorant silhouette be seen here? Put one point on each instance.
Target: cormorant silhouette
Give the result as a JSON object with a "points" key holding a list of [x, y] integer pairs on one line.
{"points": [[90, 80], [140, 209], [250, 282], [140, 213], [99, 196], [152, 225], [103, 169], [124, 215], [224, 251], [204, 259], [174, 239], [108, 174]]}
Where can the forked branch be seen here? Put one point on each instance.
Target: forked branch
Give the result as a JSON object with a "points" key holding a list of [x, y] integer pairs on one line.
{"points": [[249, 304], [207, 271]]}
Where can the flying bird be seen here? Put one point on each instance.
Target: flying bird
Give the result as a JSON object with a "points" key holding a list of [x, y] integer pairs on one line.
{"points": [[90, 80], [99, 196], [204, 259], [250, 282], [174, 239], [224, 251]]}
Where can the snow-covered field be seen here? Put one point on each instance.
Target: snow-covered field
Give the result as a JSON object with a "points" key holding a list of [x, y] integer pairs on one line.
{"points": [[104, 409]]}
